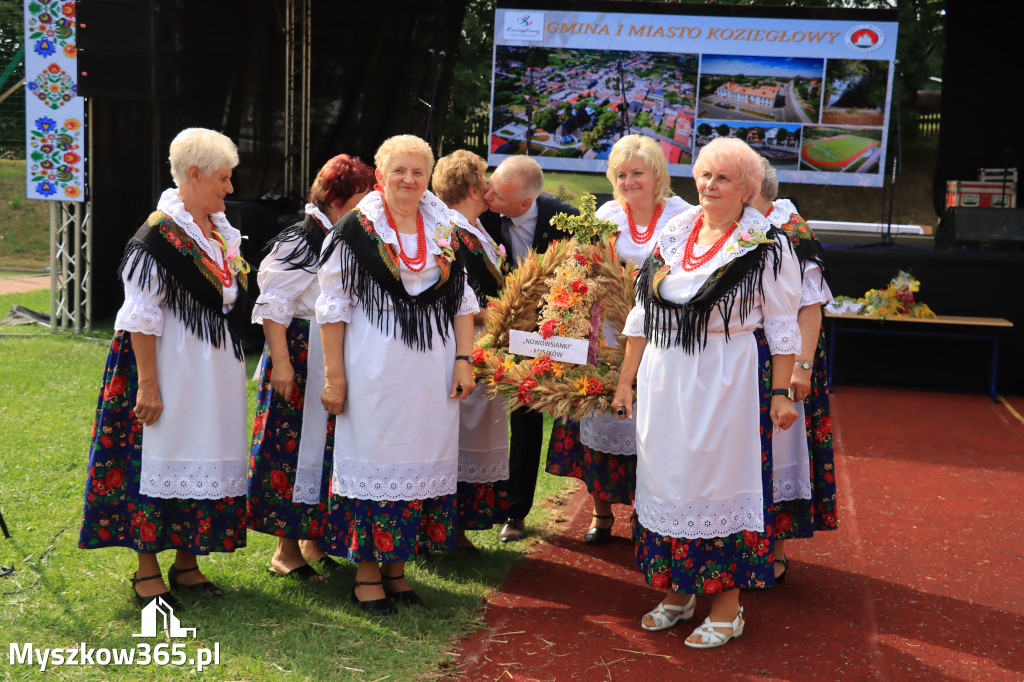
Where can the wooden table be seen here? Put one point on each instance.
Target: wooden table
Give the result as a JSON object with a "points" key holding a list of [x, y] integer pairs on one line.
{"points": [[944, 326]]}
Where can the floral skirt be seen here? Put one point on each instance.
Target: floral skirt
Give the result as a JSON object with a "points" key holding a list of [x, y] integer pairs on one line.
{"points": [[481, 505], [709, 566], [384, 531], [116, 514], [608, 477], [801, 518], [273, 455]]}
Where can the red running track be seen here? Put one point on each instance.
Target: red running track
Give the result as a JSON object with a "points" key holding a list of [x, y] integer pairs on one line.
{"points": [[924, 580]]}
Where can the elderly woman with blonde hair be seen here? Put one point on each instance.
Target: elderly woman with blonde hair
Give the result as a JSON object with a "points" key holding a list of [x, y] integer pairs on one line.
{"points": [[601, 450], [711, 343], [167, 465], [396, 318], [804, 466], [459, 181]]}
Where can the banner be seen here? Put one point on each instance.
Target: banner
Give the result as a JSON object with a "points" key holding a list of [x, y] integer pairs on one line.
{"points": [[54, 113], [812, 95]]}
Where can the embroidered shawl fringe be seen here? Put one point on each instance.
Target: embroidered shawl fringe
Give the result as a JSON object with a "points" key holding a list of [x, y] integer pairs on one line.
{"points": [[412, 318], [309, 237], [811, 251], [721, 291], [206, 324]]}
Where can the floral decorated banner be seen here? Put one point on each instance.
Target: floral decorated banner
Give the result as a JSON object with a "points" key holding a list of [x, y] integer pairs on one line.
{"points": [[54, 113]]}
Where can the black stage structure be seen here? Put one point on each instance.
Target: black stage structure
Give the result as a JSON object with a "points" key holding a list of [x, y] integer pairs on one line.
{"points": [[292, 82], [375, 69]]}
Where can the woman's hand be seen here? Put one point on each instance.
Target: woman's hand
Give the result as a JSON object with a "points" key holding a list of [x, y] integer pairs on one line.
{"points": [[800, 383], [622, 403], [334, 394], [148, 403], [463, 376], [282, 379], [783, 413]]}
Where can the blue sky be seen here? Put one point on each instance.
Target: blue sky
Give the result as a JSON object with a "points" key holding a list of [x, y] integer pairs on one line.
{"points": [[782, 67]]}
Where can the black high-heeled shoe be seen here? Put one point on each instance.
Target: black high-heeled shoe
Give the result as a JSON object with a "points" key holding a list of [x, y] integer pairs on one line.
{"points": [[375, 607], [407, 597], [206, 587], [168, 598], [598, 536]]}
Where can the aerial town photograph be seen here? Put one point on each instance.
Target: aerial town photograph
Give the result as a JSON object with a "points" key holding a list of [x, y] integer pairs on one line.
{"points": [[783, 89], [577, 103]]}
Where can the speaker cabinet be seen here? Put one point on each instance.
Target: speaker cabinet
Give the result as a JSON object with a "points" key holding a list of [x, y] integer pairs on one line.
{"points": [[996, 229]]}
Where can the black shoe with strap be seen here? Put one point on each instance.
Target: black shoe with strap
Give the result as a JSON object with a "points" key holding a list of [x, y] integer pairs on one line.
{"points": [[205, 587], [785, 567], [598, 536], [407, 597], [375, 607], [168, 598]]}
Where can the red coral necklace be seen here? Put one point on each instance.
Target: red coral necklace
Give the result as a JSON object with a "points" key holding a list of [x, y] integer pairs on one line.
{"points": [[418, 262], [645, 236], [690, 262]]}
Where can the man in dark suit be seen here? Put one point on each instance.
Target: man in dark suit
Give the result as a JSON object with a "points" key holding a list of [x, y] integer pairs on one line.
{"points": [[520, 219]]}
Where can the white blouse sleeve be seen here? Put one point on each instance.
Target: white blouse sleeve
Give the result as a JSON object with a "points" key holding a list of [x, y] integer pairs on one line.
{"points": [[782, 303], [635, 321], [334, 304], [280, 286], [469, 304], [814, 290], [142, 310]]}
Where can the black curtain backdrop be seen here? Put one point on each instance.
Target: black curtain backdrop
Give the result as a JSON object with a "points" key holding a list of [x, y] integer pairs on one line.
{"points": [[370, 66], [981, 123]]}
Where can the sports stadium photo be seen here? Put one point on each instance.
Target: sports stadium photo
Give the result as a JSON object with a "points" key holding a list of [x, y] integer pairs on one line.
{"points": [[841, 150]]}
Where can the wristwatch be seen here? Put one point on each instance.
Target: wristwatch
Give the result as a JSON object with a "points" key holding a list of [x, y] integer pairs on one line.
{"points": [[464, 357], [802, 365], [788, 392]]}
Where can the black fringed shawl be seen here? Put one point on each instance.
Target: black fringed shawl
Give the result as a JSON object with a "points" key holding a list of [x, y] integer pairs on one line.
{"points": [[188, 279], [308, 237], [805, 243], [739, 280], [485, 279], [370, 271]]}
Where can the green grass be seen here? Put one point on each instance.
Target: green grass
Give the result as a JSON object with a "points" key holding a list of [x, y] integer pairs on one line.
{"points": [[267, 629], [25, 229]]}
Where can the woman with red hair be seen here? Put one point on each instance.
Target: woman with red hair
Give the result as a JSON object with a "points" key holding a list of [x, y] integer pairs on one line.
{"points": [[290, 452]]}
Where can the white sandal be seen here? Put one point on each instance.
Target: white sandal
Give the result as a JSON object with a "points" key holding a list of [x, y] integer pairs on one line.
{"points": [[710, 638], [667, 615]]}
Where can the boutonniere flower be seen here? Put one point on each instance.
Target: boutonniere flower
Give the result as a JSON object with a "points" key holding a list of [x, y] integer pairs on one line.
{"points": [[501, 255], [443, 238], [748, 237], [232, 253]]}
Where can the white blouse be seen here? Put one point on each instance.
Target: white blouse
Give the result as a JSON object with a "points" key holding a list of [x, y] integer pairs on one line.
{"points": [[398, 437], [197, 449]]}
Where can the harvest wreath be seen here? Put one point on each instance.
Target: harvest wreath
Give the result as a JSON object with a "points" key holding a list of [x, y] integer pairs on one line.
{"points": [[571, 290]]}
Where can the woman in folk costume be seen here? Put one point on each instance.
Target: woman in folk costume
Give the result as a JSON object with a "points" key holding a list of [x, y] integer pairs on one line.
{"points": [[460, 181], [289, 454], [713, 337], [167, 461], [804, 481], [396, 319], [601, 449]]}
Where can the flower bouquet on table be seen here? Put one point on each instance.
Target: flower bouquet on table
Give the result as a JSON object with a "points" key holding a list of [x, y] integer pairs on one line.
{"points": [[895, 301], [544, 346]]}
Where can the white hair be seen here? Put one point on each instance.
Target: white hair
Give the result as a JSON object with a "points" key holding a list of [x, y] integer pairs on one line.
{"points": [[526, 171], [206, 149], [770, 181]]}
